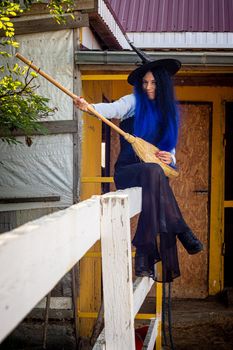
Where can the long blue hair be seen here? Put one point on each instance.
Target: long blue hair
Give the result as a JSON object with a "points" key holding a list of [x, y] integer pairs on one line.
{"points": [[156, 121]]}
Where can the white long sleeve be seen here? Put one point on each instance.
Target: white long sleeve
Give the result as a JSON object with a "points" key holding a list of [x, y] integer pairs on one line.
{"points": [[120, 109]]}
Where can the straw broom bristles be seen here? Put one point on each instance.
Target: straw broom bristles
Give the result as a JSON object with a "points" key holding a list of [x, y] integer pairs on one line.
{"points": [[147, 152], [144, 150]]}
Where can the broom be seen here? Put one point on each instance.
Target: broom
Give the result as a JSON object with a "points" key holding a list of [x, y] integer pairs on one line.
{"points": [[144, 150]]}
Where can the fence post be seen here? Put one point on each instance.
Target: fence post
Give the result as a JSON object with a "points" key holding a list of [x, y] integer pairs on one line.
{"points": [[117, 272]]}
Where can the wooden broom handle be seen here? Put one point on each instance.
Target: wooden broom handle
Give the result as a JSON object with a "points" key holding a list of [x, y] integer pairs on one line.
{"points": [[73, 96]]}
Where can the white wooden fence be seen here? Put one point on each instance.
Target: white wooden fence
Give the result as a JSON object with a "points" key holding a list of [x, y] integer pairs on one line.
{"points": [[35, 256]]}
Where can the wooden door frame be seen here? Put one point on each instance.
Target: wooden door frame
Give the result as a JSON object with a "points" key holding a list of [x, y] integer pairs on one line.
{"points": [[226, 203], [216, 96]]}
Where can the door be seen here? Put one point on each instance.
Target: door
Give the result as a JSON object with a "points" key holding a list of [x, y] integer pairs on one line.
{"points": [[191, 189]]}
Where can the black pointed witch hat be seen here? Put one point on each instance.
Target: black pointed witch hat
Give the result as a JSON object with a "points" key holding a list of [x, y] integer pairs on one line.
{"points": [[170, 64]]}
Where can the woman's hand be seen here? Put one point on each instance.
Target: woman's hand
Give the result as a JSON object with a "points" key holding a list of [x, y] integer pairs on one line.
{"points": [[81, 103], [165, 157]]}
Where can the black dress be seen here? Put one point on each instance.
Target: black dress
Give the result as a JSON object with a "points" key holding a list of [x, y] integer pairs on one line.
{"points": [[160, 219]]}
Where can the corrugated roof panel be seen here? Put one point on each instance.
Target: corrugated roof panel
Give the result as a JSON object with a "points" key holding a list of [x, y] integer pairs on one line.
{"points": [[143, 13], [174, 15], [152, 15], [162, 19], [108, 19], [133, 18]]}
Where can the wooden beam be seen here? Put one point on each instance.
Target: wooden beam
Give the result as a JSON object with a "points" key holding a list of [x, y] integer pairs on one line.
{"points": [[33, 24], [228, 204], [77, 136], [42, 8], [221, 79], [53, 128], [159, 309], [151, 336], [116, 243], [97, 179], [29, 199], [141, 287], [204, 80], [103, 32]]}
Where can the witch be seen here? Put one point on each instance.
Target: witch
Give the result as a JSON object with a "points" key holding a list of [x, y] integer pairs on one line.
{"points": [[151, 114]]}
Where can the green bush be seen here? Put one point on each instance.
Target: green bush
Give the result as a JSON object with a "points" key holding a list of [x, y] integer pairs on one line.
{"points": [[21, 108]]}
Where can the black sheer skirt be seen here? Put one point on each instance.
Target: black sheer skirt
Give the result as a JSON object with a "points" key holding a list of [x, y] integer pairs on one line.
{"points": [[160, 219]]}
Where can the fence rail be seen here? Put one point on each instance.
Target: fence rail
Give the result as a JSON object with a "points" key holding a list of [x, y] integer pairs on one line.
{"points": [[35, 256]]}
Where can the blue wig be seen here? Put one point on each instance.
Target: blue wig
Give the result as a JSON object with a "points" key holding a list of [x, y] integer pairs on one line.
{"points": [[157, 121]]}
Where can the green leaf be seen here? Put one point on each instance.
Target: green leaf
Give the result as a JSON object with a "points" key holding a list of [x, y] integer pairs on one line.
{"points": [[9, 24], [7, 19], [33, 74], [20, 105], [14, 43], [5, 54]]}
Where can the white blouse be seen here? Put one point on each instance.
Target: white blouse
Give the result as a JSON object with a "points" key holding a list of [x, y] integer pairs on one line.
{"points": [[122, 109]]}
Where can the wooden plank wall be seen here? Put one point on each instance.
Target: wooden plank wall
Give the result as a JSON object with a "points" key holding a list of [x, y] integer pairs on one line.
{"points": [[211, 281], [12, 219], [90, 293]]}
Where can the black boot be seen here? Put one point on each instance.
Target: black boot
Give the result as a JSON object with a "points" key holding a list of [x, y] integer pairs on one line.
{"points": [[190, 242], [142, 268]]}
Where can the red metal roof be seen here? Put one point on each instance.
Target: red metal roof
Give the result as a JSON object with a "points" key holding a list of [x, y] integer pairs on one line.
{"points": [[174, 15]]}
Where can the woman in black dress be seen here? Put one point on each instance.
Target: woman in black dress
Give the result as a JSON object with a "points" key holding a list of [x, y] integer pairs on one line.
{"points": [[151, 113]]}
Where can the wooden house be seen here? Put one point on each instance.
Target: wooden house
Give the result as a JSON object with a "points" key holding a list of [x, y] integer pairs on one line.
{"points": [[199, 34], [91, 56]]}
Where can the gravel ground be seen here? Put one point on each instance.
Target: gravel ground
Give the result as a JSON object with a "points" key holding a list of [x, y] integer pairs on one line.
{"points": [[202, 325], [196, 324]]}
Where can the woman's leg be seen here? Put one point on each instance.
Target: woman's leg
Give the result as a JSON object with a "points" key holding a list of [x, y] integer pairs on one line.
{"points": [[160, 215], [126, 177]]}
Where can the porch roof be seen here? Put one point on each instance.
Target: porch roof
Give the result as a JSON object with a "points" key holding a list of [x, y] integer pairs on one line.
{"points": [[128, 59]]}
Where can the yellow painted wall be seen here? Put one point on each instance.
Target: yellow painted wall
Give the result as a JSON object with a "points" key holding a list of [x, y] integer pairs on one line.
{"points": [[90, 291], [90, 266], [217, 96]]}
